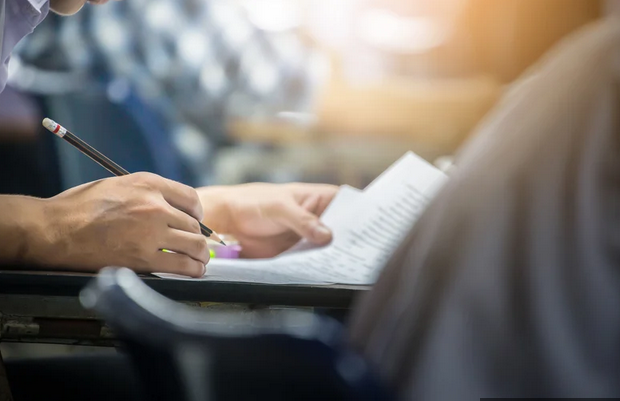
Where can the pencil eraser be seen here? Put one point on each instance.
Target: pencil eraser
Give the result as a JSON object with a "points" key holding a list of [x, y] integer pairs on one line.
{"points": [[54, 127]]}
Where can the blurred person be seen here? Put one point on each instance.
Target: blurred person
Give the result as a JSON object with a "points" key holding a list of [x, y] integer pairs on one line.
{"points": [[509, 283]]}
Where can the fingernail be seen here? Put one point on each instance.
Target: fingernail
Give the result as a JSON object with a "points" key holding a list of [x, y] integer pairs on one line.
{"points": [[321, 234]]}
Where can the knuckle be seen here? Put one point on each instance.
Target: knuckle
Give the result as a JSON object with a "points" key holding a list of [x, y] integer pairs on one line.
{"points": [[191, 200], [140, 176], [153, 208], [201, 249], [144, 177], [195, 226], [192, 267], [196, 203], [308, 220]]}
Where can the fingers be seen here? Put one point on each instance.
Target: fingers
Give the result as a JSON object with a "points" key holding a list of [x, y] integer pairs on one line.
{"points": [[326, 194], [192, 245], [177, 263], [302, 215], [314, 197], [182, 221], [304, 223], [180, 196], [184, 198], [190, 256], [315, 204]]}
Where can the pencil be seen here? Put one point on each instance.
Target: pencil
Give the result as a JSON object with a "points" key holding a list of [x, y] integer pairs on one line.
{"points": [[105, 162]]}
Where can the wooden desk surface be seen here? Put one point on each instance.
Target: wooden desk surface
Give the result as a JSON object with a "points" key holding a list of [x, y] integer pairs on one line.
{"points": [[69, 284]]}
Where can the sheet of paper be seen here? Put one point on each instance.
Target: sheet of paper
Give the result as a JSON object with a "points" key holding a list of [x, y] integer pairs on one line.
{"points": [[367, 228]]}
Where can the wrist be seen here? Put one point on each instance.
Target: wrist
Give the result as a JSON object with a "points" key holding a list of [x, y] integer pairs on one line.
{"points": [[216, 210], [22, 229], [43, 235]]}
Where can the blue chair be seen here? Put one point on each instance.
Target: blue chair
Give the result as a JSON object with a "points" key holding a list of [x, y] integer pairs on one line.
{"points": [[181, 353]]}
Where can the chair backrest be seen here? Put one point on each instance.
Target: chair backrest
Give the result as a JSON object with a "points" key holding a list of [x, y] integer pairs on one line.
{"points": [[184, 354]]}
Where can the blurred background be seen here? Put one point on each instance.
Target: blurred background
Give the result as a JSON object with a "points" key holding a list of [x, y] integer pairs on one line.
{"points": [[232, 91]]}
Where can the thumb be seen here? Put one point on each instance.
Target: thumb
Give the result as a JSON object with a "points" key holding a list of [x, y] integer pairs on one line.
{"points": [[305, 224]]}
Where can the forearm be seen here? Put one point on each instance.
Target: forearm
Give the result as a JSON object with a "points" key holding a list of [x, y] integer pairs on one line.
{"points": [[21, 229]]}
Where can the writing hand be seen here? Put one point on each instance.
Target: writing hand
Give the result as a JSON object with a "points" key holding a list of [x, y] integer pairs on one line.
{"points": [[125, 221]]}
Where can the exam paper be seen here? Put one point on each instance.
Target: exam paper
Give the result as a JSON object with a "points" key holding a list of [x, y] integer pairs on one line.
{"points": [[367, 227]]}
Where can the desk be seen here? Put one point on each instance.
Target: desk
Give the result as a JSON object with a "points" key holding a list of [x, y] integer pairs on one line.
{"points": [[43, 306]]}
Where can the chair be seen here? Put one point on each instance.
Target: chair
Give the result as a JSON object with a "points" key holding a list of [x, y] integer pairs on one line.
{"points": [[184, 354]]}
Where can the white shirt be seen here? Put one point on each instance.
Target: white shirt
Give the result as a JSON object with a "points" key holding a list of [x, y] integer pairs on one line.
{"points": [[18, 18]]}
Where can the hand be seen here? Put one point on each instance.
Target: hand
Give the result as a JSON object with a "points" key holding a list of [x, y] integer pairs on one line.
{"points": [[125, 221], [267, 219]]}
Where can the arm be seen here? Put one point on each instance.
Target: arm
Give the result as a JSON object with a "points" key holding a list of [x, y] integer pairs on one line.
{"points": [[121, 221], [21, 228]]}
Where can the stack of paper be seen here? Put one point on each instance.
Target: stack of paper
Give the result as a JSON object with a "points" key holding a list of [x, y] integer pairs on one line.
{"points": [[367, 227]]}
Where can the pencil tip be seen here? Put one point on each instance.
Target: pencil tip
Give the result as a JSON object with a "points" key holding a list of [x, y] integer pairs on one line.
{"points": [[216, 238]]}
